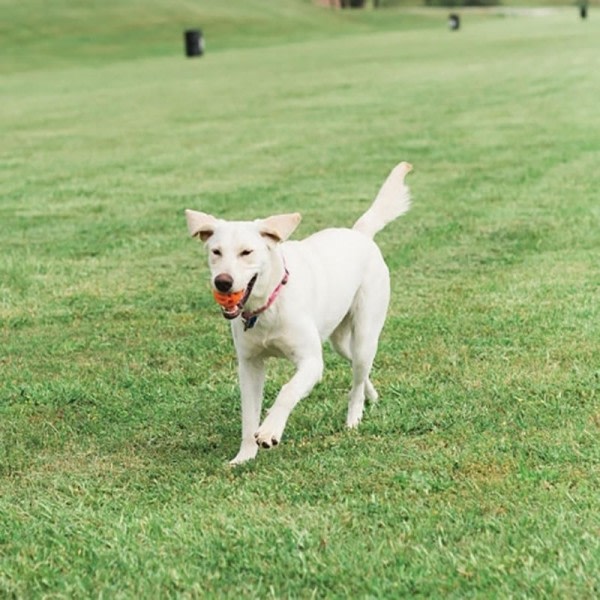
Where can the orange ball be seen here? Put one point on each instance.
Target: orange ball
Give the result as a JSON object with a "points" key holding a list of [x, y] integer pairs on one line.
{"points": [[229, 300]]}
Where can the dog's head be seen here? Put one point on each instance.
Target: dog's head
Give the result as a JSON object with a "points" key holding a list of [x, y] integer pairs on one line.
{"points": [[239, 253]]}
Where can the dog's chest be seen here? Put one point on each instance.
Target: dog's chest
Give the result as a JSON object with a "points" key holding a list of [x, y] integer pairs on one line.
{"points": [[263, 340]]}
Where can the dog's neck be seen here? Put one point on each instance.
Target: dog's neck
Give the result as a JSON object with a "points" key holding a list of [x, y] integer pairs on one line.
{"points": [[268, 280]]}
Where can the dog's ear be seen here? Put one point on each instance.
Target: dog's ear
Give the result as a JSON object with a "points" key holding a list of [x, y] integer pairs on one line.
{"points": [[279, 227], [200, 224]]}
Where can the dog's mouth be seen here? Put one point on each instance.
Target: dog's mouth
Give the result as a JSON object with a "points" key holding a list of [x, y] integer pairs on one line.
{"points": [[232, 303]]}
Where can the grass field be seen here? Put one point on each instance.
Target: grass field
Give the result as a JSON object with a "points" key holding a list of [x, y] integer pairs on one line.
{"points": [[477, 474]]}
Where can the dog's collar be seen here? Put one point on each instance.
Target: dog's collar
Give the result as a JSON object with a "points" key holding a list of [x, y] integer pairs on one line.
{"points": [[249, 317]]}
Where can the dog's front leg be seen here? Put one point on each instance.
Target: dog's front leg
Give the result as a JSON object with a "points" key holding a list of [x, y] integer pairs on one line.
{"points": [[308, 374], [252, 377]]}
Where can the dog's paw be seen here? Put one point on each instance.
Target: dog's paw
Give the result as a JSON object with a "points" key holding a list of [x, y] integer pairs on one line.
{"points": [[355, 411], [247, 452], [371, 392], [266, 439], [353, 421], [270, 432]]}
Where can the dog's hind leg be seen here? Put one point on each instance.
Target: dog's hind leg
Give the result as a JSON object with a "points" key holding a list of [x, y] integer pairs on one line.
{"points": [[341, 340], [368, 316], [361, 367]]}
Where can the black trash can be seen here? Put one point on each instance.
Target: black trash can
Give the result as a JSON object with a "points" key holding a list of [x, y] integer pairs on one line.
{"points": [[454, 22], [194, 42]]}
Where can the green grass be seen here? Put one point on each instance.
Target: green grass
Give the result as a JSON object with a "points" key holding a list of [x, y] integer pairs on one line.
{"points": [[477, 474]]}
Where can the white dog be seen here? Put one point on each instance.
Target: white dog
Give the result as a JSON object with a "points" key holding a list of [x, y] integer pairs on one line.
{"points": [[290, 296]]}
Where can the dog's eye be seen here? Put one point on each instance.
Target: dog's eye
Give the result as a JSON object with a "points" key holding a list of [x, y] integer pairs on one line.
{"points": [[245, 252], [216, 252]]}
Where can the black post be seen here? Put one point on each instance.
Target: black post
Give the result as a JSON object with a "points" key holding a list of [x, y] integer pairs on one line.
{"points": [[194, 42]]}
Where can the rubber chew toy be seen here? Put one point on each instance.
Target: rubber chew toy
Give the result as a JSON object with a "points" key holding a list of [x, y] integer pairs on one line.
{"points": [[228, 301]]}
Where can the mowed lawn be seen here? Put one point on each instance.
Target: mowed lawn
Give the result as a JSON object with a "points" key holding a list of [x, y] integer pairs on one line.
{"points": [[478, 472]]}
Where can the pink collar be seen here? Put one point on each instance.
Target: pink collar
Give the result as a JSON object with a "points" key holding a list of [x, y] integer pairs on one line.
{"points": [[249, 317]]}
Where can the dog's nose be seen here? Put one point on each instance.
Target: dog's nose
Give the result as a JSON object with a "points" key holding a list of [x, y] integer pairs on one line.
{"points": [[223, 282]]}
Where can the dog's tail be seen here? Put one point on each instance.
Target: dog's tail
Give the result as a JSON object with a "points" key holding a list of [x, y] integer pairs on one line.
{"points": [[392, 201]]}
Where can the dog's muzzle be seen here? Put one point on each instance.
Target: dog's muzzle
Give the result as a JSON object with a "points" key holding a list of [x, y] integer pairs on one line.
{"points": [[231, 307]]}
